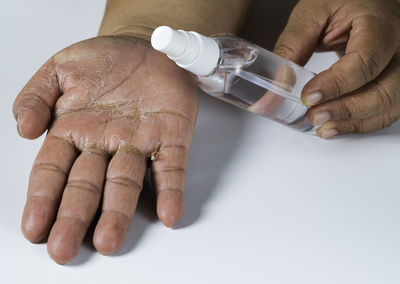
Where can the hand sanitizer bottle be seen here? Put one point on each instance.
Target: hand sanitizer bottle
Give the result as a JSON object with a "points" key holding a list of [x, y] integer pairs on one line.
{"points": [[240, 73]]}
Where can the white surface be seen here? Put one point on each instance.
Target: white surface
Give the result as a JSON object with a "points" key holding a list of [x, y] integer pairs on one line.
{"points": [[264, 204]]}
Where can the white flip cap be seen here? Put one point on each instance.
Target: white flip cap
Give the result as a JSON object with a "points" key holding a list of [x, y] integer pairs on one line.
{"points": [[190, 50]]}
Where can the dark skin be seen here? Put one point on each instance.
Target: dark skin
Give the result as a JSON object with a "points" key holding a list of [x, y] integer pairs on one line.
{"points": [[109, 110], [360, 93], [111, 103]]}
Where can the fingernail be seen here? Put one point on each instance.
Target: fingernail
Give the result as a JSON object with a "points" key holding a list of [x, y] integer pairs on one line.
{"points": [[313, 98], [321, 117], [329, 133]]}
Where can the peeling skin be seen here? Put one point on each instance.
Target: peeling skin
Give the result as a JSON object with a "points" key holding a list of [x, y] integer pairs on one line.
{"points": [[108, 96], [159, 93], [95, 149], [154, 154], [118, 110], [130, 149]]}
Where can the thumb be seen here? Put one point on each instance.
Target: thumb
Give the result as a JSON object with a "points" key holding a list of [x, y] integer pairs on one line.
{"points": [[301, 35], [33, 106]]}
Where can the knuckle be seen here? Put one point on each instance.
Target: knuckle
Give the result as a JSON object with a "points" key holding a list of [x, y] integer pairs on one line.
{"points": [[343, 111], [350, 107], [84, 185], [284, 47], [72, 217], [178, 147], [171, 190], [125, 182], [355, 106], [369, 64], [41, 197], [356, 126], [385, 99], [117, 212], [51, 167], [340, 83], [33, 100], [168, 169]]}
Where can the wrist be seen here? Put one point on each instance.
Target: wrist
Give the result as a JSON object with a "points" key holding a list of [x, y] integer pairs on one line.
{"points": [[140, 17], [139, 31]]}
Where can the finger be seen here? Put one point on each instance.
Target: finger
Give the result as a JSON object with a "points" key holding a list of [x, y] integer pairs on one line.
{"points": [[78, 206], [47, 180], [33, 106], [335, 37], [366, 125], [301, 35], [376, 97], [368, 52], [338, 45], [168, 176], [121, 192]]}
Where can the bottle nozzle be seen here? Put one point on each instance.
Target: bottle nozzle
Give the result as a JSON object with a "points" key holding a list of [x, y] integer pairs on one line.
{"points": [[168, 41], [190, 50]]}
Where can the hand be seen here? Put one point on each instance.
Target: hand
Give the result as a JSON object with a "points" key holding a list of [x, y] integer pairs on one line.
{"points": [[110, 104], [361, 92]]}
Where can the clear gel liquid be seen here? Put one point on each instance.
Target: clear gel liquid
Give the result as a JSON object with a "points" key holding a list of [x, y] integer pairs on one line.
{"points": [[259, 81]]}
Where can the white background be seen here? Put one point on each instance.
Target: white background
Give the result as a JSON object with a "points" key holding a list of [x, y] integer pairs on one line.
{"points": [[264, 203]]}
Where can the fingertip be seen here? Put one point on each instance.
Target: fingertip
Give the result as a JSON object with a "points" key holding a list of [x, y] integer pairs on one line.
{"points": [[170, 207], [328, 130], [169, 220], [31, 232], [59, 256], [110, 233], [58, 253], [32, 123], [64, 240], [36, 221], [106, 243]]}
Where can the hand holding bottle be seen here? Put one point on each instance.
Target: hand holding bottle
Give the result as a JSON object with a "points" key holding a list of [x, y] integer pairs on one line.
{"points": [[360, 93]]}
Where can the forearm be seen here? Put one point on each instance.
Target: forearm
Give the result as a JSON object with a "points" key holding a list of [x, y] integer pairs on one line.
{"points": [[140, 17]]}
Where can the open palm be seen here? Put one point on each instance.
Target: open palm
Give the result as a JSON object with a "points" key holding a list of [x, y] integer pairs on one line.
{"points": [[110, 104]]}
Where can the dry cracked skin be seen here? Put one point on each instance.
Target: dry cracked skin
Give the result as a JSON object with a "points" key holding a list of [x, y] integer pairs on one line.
{"points": [[110, 104]]}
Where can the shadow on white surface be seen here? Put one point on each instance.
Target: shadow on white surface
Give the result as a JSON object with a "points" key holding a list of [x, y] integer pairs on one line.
{"points": [[220, 126], [216, 139], [86, 252]]}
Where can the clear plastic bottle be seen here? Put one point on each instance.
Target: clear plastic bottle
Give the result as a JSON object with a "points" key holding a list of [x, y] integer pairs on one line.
{"points": [[240, 73]]}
